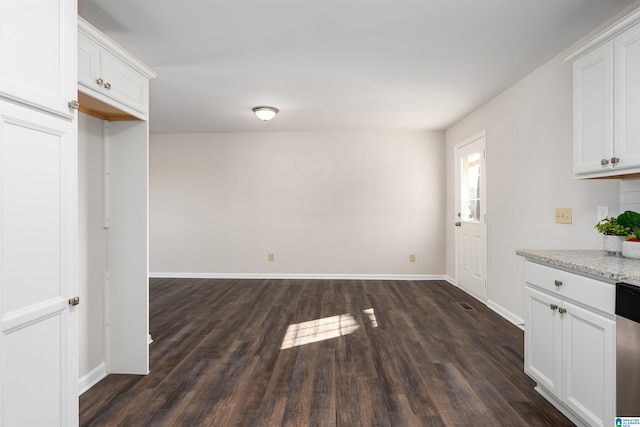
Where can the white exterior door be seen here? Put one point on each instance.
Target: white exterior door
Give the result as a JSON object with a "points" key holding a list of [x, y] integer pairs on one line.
{"points": [[38, 214], [471, 219]]}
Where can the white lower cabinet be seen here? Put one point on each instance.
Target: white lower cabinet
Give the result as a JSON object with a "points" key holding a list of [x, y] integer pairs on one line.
{"points": [[570, 346]]}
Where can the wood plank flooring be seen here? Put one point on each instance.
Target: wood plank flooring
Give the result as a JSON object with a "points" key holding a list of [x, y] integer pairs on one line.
{"points": [[419, 359]]}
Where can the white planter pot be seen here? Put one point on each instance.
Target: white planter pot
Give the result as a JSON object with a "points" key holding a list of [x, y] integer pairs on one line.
{"points": [[613, 244], [631, 249]]}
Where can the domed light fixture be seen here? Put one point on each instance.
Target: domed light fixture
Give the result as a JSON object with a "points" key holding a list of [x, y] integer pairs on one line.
{"points": [[265, 113]]}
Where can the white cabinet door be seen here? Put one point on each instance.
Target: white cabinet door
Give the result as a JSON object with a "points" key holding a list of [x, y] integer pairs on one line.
{"points": [[88, 62], [627, 98], [543, 340], [588, 364], [593, 111], [36, 67], [38, 237], [123, 83]]}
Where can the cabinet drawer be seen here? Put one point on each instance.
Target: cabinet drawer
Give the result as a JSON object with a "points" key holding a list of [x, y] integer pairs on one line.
{"points": [[590, 292]]}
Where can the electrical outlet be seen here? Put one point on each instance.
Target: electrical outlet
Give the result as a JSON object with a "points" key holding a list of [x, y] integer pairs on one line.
{"points": [[563, 215], [270, 257], [602, 213], [412, 257]]}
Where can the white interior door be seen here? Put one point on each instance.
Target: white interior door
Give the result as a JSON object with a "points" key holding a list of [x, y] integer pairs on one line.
{"points": [[38, 215], [471, 217]]}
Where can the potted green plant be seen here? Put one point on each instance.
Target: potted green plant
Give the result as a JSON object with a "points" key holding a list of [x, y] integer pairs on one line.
{"points": [[631, 246], [614, 234]]}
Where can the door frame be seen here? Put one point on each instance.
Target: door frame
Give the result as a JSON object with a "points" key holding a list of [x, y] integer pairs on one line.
{"points": [[457, 208]]}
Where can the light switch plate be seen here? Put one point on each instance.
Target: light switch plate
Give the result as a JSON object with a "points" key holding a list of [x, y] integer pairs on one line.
{"points": [[563, 215]]}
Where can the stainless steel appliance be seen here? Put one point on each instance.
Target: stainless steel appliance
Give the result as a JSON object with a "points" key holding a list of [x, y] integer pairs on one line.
{"points": [[627, 350]]}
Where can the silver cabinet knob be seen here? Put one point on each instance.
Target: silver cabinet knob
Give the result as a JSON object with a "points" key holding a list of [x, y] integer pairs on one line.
{"points": [[107, 85], [99, 81], [553, 307], [74, 301], [558, 283], [74, 104], [604, 162], [615, 160], [562, 310]]}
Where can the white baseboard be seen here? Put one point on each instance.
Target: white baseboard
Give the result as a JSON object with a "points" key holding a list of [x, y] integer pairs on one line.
{"points": [[92, 378], [512, 318], [506, 314], [165, 275]]}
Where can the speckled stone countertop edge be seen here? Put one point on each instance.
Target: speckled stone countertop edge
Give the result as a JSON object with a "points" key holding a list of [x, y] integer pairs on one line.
{"points": [[593, 263]]}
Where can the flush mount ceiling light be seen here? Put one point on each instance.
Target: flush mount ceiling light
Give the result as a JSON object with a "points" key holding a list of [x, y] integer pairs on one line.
{"points": [[265, 113]]}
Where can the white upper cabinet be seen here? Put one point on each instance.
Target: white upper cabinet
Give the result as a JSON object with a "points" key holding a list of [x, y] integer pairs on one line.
{"points": [[606, 97], [35, 69], [109, 74], [627, 97], [593, 111]]}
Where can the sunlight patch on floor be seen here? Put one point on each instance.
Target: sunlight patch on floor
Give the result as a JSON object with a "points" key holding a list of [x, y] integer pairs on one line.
{"points": [[323, 329]]}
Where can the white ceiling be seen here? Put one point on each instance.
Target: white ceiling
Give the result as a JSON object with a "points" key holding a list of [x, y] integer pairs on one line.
{"points": [[337, 64]]}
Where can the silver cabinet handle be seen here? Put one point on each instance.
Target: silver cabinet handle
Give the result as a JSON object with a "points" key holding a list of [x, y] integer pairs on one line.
{"points": [[458, 224], [604, 162], [562, 310], [558, 283], [615, 160], [553, 307], [74, 301], [74, 104], [107, 85], [99, 81]]}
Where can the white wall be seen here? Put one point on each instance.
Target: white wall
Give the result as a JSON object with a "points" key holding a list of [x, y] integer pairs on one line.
{"points": [[328, 203], [529, 174], [92, 245]]}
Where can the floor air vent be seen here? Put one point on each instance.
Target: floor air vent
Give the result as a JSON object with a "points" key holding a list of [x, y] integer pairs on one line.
{"points": [[465, 305]]}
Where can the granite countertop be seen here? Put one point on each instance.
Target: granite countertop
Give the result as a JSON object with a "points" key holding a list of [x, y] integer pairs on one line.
{"points": [[595, 263]]}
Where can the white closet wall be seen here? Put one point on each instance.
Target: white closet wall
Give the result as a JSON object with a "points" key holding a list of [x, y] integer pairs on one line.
{"points": [[92, 251]]}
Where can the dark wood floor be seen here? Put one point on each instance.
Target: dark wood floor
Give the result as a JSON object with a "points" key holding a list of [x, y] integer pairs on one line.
{"points": [[423, 360]]}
